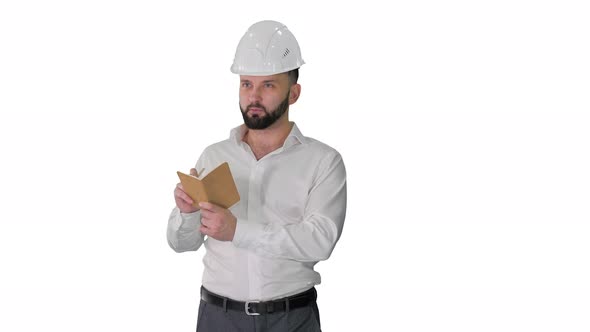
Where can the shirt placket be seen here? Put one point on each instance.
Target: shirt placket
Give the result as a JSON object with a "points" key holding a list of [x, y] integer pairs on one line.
{"points": [[254, 216]]}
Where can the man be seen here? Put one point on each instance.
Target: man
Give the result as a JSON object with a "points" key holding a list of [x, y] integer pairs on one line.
{"points": [[260, 253]]}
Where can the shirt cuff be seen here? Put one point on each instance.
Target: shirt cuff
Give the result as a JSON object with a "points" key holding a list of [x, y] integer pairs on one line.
{"points": [[191, 220], [247, 233]]}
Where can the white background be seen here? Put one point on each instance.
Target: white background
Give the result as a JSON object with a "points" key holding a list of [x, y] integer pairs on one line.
{"points": [[464, 126]]}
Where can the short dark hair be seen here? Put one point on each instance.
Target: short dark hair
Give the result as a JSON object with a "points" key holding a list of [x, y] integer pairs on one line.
{"points": [[293, 76]]}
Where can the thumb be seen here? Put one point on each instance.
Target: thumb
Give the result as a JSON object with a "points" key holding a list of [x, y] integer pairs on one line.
{"points": [[208, 206], [194, 172]]}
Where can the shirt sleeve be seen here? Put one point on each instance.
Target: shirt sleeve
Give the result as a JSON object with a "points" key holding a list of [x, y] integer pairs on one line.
{"points": [[183, 228], [314, 238], [183, 231]]}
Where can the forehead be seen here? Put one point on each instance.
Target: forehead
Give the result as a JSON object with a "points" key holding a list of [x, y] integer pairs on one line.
{"points": [[277, 78]]}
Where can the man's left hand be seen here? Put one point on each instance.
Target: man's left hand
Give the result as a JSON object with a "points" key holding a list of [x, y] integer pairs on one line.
{"points": [[217, 222]]}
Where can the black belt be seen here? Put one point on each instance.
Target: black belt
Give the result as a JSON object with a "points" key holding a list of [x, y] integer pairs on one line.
{"points": [[255, 308]]}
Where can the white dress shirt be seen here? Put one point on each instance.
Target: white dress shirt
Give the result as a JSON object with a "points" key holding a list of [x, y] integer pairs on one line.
{"points": [[290, 216]]}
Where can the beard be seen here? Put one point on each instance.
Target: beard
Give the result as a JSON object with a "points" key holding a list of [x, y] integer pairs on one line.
{"points": [[265, 121]]}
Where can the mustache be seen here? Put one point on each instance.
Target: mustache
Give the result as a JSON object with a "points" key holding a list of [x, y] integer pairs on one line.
{"points": [[257, 105]]}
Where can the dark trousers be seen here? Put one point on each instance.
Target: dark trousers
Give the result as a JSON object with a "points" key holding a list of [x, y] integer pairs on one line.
{"points": [[214, 319]]}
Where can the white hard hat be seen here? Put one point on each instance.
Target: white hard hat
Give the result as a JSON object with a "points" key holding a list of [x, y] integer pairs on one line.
{"points": [[267, 48]]}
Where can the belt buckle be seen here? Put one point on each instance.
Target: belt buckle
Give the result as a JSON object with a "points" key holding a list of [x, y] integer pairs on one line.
{"points": [[247, 308]]}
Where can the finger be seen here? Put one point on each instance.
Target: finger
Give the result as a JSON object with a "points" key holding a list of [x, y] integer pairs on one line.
{"points": [[193, 172], [182, 195], [208, 206], [179, 192], [205, 231], [187, 199], [205, 214], [205, 222]]}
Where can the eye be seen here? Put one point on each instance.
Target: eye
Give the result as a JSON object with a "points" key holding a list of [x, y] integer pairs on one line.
{"points": [[245, 84], [268, 85]]}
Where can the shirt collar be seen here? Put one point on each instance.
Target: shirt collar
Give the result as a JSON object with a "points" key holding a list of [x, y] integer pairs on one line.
{"points": [[294, 137]]}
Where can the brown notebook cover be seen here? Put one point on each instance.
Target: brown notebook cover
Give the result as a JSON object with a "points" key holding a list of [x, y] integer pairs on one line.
{"points": [[217, 187]]}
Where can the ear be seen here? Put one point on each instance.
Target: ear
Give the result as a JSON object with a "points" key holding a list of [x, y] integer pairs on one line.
{"points": [[294, 92]]}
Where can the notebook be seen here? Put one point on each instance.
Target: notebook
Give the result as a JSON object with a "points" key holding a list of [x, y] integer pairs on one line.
{"points": [[217, 187]]}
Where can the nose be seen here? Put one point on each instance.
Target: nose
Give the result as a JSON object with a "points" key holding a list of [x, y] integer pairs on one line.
{"points": [[254, 96]]}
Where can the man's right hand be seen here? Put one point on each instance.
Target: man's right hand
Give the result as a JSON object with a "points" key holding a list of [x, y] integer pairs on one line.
{"points": [[183, 201]]}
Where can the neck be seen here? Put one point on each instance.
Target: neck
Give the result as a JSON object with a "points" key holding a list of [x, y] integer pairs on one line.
{"points": [[265, 141]]}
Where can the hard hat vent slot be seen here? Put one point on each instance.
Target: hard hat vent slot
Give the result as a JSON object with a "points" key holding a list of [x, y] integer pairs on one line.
{"points": [[286, 52]]}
